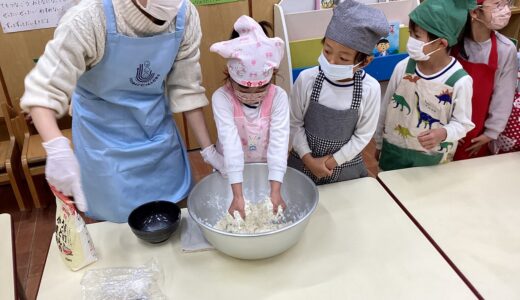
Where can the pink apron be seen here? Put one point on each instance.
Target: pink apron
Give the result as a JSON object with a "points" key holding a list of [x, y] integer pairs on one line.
{"points": [[254, 134]]}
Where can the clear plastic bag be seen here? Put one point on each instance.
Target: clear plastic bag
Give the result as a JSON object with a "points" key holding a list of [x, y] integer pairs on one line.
{"points": [[124, 283]]}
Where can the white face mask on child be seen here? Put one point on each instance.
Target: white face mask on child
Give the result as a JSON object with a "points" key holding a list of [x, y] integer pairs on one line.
{"points": [[415, 49], [336, 72]]}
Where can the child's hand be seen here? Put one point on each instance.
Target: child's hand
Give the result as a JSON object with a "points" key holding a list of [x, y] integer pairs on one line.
{"points": [[477, 143], [317, 165], [331, 163], [276, 196], [430, 139], [237, 204], [276, 199]]}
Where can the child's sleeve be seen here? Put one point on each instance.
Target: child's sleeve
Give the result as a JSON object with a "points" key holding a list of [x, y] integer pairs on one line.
{"points": [[460, 122], [299, 102], [228, 137], [278, 136], [366, 125], [503, 95], [395, 79]]}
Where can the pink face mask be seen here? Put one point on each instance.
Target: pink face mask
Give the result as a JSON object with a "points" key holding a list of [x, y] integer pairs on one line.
{"points": [[499, 17], [250, 98]]}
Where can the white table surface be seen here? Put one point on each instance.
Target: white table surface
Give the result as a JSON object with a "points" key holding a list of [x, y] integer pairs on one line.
{"points": [[471, 209], [7, 283], [358, 245]]}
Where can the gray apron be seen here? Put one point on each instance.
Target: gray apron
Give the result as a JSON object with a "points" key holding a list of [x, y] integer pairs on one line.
{"points": [[328, 130]]}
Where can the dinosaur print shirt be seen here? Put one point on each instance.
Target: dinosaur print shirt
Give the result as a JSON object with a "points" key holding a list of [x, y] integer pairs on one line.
{"points": [[460, 122], [336, 96]]}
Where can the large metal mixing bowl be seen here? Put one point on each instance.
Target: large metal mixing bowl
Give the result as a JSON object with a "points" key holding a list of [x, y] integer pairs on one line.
{"points": [[210, 198]]}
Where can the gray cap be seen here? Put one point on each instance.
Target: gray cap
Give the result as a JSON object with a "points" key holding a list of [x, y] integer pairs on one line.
{"points": [[357, 26]]}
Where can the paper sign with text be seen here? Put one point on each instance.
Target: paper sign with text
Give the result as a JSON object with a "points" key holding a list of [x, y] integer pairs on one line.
{"points": [[23, 15]]}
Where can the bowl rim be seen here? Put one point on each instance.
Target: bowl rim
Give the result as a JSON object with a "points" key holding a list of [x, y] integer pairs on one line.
{"points": [[179, 215], [304, 218]]}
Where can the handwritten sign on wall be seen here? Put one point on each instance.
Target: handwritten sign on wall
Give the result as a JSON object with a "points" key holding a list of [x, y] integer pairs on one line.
{"points": [[22, 15]]}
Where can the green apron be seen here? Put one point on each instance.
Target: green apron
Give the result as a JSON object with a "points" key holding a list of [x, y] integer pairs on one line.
{"points": [[416, 106]]}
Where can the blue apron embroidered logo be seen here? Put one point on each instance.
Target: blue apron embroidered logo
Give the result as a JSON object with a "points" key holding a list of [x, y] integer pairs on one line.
{"points": [[144, 75]]}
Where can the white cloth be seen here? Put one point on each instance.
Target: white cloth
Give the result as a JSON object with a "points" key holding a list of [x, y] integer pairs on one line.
{"points": [[460, 122], [336, 96], [62, 170], [230, 140], [505, 80], [79, 44], [192, 239]]}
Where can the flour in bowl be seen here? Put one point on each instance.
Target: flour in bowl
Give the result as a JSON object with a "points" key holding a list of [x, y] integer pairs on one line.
{"points": [[259, 218]]}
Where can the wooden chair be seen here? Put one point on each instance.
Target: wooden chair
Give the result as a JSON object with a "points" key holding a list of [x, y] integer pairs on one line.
{"points": [[33, 154], [10, 158]]}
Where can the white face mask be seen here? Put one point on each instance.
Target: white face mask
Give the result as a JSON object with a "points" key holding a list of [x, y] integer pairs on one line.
{"points": [[164, 10], [336, 72], [415, 49]]}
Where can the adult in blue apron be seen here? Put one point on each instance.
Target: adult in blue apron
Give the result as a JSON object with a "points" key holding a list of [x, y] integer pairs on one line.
{"points": [[125, 139]]}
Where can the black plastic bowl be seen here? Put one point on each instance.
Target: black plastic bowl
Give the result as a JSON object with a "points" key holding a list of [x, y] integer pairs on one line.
{"points": [[155, 222]]}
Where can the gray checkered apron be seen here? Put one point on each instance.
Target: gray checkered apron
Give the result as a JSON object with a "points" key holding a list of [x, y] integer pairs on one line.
{"points": [[328, 130]]}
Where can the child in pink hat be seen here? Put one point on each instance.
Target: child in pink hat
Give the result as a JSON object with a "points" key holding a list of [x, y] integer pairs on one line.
{"points": [[251, 113]]}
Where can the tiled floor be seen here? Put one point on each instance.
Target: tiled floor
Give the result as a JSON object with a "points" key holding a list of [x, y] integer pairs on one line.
{"points": [[33, 229]]}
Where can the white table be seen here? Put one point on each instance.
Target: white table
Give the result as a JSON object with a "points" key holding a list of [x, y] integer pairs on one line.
{"points": [[471, 209], [7, 272], [358, 245]]}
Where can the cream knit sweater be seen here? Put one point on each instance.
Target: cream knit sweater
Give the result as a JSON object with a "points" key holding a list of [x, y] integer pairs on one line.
{"points": [[79, 44]]}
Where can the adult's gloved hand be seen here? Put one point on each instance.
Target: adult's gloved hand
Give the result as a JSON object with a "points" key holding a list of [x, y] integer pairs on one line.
{"points": [[215, 159], [62, 170]]}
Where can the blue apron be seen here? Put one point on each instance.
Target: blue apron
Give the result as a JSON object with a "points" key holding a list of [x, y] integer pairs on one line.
{"points": [[125, 139]]}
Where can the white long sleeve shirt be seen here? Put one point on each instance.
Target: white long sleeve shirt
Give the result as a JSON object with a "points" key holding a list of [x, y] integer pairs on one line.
{"points": [[229, 139], [336, 96], [505, 80], [460, 122], [79, 44]]}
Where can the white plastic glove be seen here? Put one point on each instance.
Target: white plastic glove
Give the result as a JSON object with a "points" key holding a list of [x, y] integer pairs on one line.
{"points": [[62, 170], [215, 159]]}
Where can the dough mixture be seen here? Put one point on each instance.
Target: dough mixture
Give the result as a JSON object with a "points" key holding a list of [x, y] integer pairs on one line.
{"points": [[259, 218]]}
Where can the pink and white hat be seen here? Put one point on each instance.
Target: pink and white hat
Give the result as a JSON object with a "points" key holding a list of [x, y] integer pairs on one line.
{"points": [[252, 56]]}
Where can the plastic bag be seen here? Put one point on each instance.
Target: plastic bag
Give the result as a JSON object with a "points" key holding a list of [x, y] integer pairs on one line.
{"points": [[72, 237], [123, 283]]}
